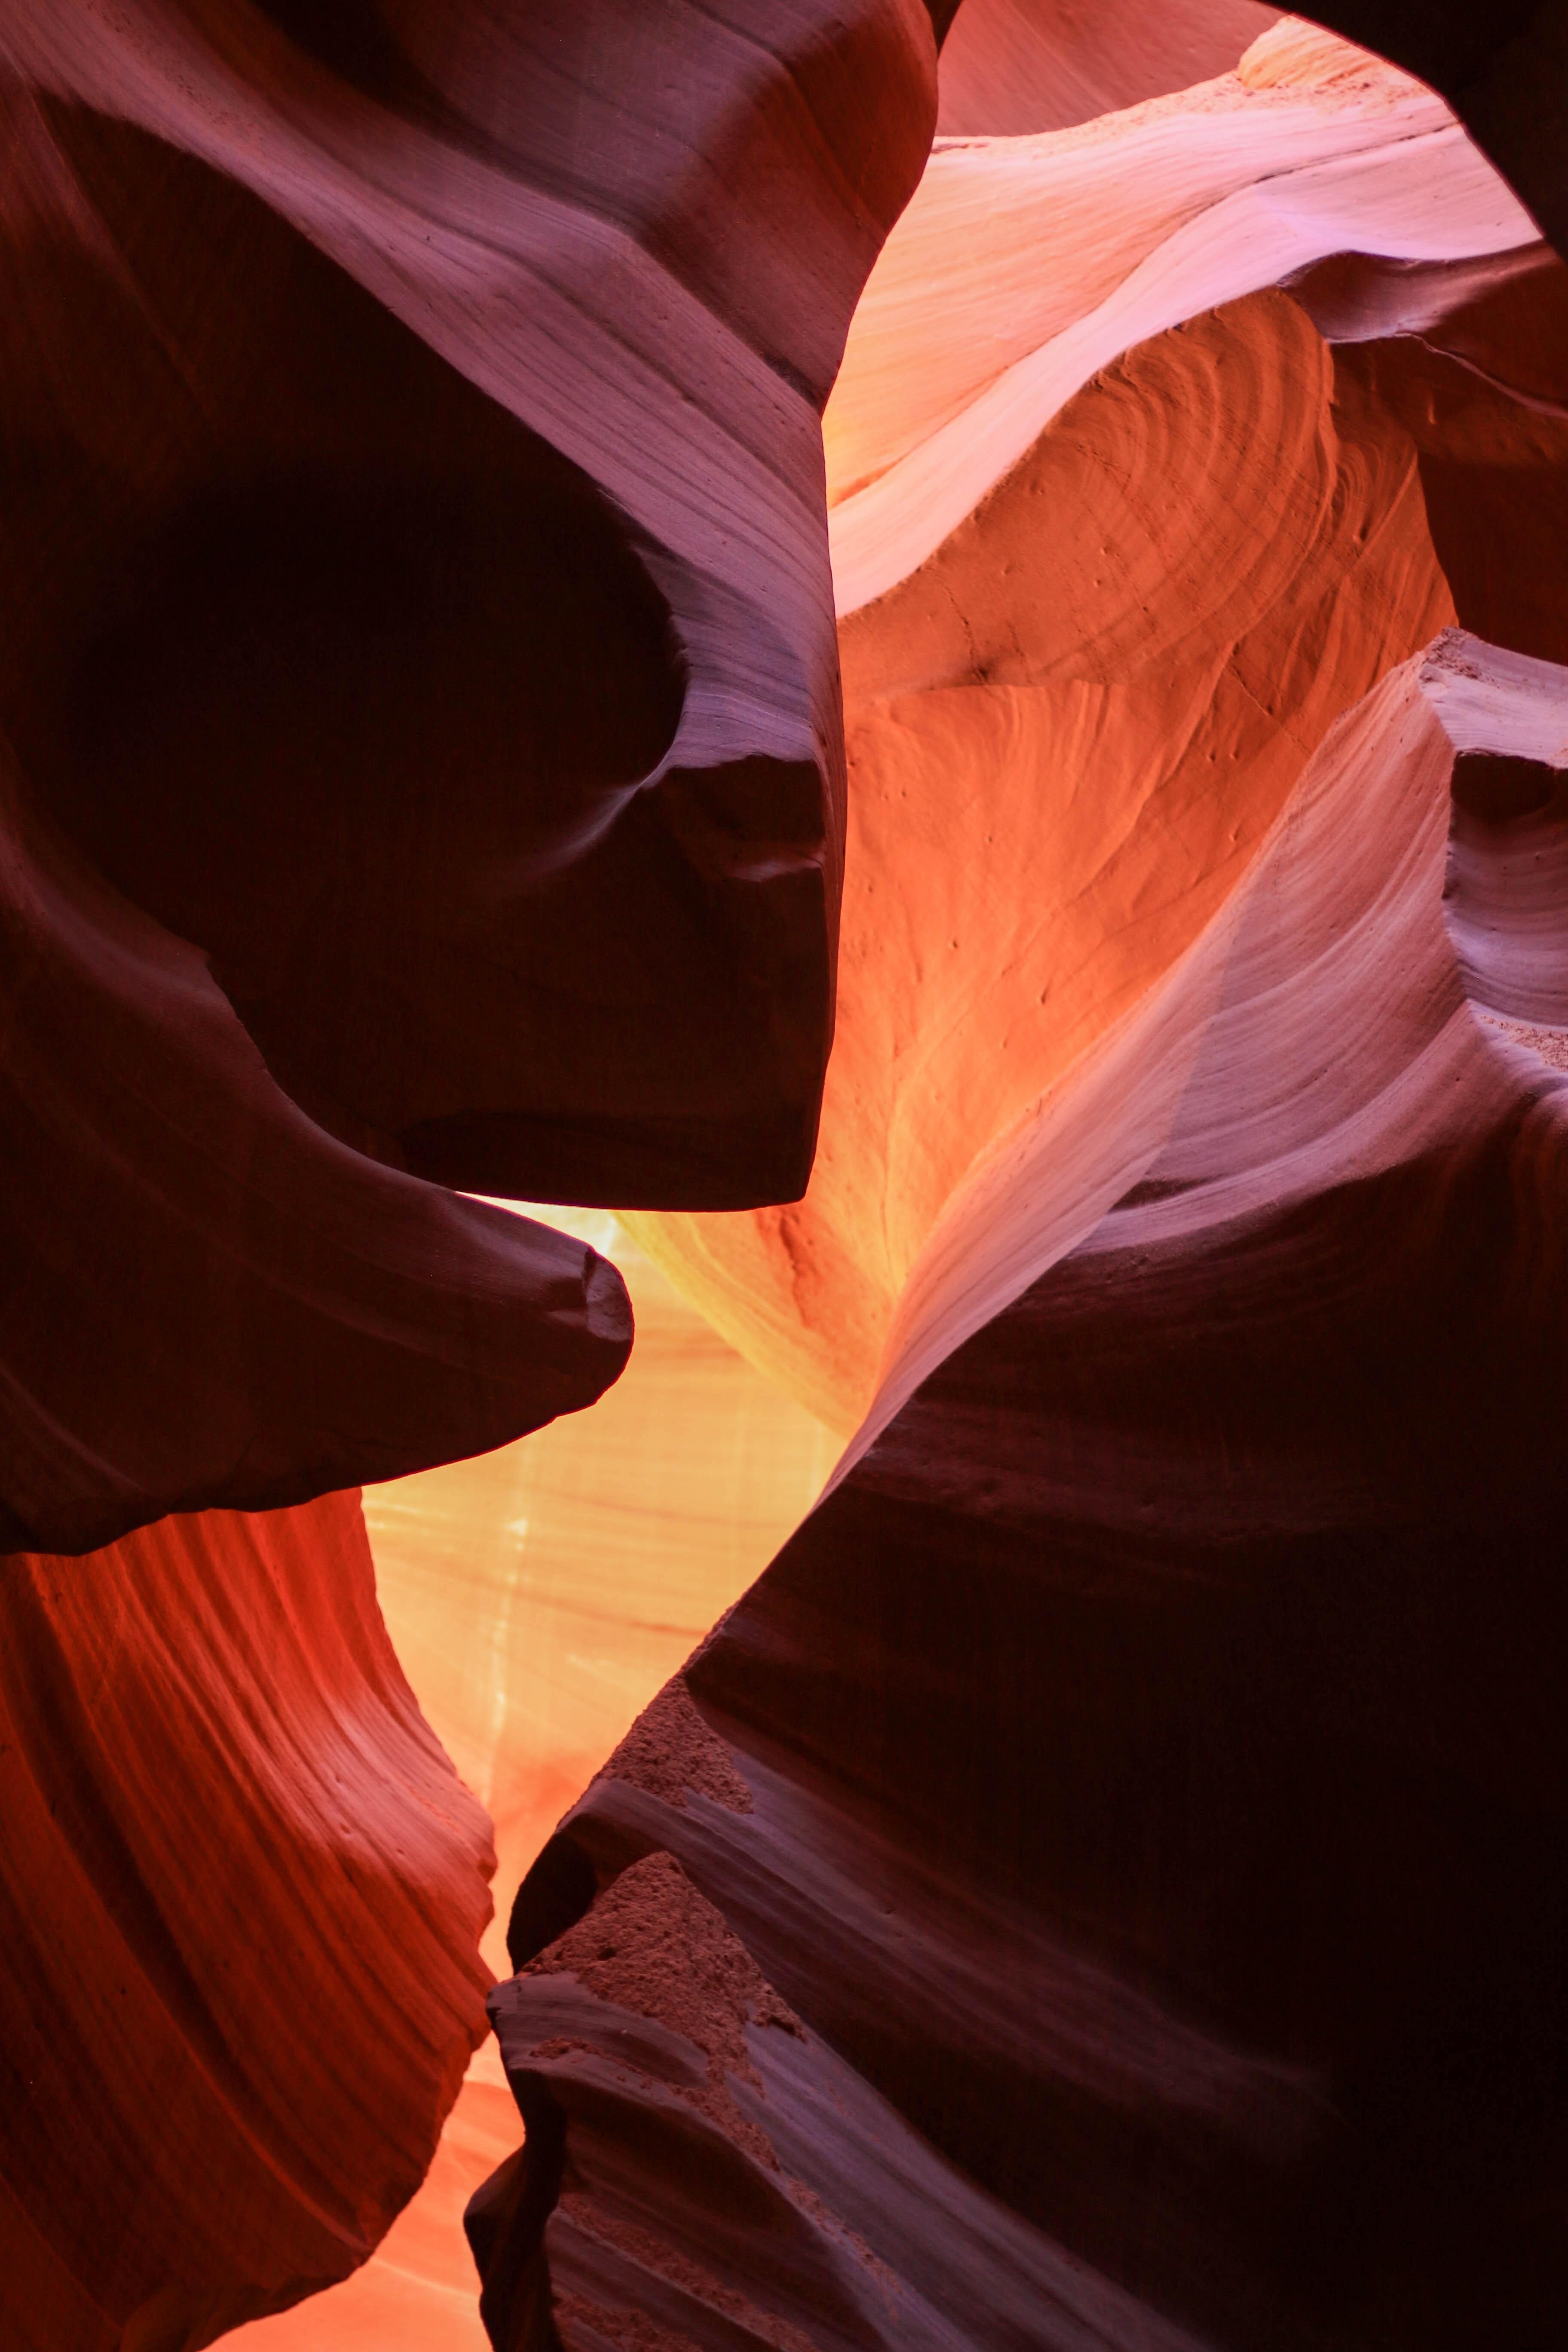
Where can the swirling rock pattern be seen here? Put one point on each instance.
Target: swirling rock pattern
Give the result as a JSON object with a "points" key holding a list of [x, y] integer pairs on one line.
{"points": [[487, 293], [243, 1890], [1174, 1848], [421, 767], [1074, 720], [366, 406], [1101, 1887]]}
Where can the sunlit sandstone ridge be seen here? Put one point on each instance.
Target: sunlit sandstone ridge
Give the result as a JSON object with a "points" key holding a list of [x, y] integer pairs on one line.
{"points": [[538, 1597], [1103, 1884], [1123, 573]]}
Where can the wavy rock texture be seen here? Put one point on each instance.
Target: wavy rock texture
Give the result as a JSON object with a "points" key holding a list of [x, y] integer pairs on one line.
{"points": [[1145, 1928], [389, 295], [369, 404], [1072, 724], [1014, 66], [243, 1890], [538, 1597], [1102, 1884], [421, 766]]}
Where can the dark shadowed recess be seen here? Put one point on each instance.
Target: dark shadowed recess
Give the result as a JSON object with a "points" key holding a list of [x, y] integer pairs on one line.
{"points": [[676, 121], [1506, 898], [1472, 360], [349, 678], [359, 40], [1504, 71], [1160, 1777]]}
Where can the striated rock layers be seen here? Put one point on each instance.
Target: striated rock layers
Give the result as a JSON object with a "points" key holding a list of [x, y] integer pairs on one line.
{"points": [[1117, 538], [417, 601], [1104, 1884], [420, 766], [242, 1892], [388, 296]]}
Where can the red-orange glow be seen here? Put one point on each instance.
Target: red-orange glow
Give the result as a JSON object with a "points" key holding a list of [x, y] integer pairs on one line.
{"points": [[538, 1597]]}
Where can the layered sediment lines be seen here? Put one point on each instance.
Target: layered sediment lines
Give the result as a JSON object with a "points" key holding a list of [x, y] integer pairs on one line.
{"points": [[1073, 722], [1102, 1884], [538, 1597], [243, 1890], [388, 299], [1014, 65], [378, 384], [1099, 1885]]}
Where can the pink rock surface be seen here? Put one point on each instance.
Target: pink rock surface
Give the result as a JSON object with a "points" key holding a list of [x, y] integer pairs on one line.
{"points": [[1101, 1887], [1010, 67], [1138, 1784]]}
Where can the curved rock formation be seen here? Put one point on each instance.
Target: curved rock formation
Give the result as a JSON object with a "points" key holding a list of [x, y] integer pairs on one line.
{"points": [[367, 404], [1102, 1884], [243, 1890], [207, 1299], [1101, 1887], [1014, 65], [1137, 1789], [537, 1599], [538, 1596], [1070, 726], [390, 296], [378, 383], [1088, 688]]}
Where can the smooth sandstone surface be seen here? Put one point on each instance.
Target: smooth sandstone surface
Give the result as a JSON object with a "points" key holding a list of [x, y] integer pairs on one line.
{"points": [[538, 1596], [1014, 65], [1101, 1887], [388, 298], [243, 1891], [538, 1599], [1072, 723], [377, 384], [950, 1980]]}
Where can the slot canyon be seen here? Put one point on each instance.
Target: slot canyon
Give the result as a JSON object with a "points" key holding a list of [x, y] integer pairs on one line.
{"points": [[784, 1232]]}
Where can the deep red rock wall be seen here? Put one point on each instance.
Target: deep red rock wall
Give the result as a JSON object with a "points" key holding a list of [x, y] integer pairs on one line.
{"points": [[242, 1893], [421, 767], [1101, 1887]]}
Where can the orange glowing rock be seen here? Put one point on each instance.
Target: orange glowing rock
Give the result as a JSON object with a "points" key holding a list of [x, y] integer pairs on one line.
{"points": [[538, 1597], [243, 1890]]}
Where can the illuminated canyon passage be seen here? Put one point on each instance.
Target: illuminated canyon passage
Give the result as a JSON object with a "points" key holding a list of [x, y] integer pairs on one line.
{"points": [[911, 656]]}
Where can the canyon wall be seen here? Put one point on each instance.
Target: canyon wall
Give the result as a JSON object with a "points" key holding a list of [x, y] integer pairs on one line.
{"points": [[377, 384], [243, 1892], [546, 566], [1099, 1885]]}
